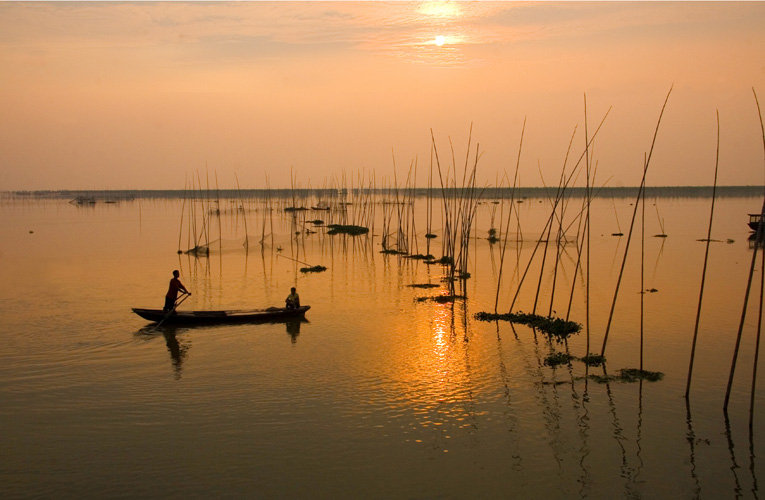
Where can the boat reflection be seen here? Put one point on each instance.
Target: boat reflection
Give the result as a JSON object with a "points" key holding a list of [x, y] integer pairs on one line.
{"points": [[293, 327], [756, 241], [178, 352], [178, 349]]}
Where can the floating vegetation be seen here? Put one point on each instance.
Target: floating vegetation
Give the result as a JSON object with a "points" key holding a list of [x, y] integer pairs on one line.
{"points": [[313, 269], [547, 324], [659, 235], [198, 250], [593, 359], [617, 234], [391, 251], [635, 374], [423, 285], [629, 375], [559, 358], [351, 229], [562, 358], [442, 299], [317, 222], [294, 209], [419, 256], [445, 260]]}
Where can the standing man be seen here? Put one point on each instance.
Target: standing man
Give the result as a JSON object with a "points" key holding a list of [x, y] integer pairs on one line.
{"points": [[172, 292]]}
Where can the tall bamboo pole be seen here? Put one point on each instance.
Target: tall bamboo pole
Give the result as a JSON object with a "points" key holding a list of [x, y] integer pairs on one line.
{"points": [[632, 223], [758, 235], [509, 217], [704, 269]]}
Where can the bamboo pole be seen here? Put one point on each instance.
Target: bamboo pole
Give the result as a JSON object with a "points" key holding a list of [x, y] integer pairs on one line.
{"points": [[509, 217], [757, 345], [552, 214], [704, 269], [642, 277], [758, 238], [632, 223], [588, 194]]}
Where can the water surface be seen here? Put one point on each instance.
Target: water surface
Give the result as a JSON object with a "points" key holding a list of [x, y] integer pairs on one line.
{"points": [[375, 395]]}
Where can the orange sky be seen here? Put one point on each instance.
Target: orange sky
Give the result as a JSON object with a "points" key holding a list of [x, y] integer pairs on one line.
{"points": [[142, 95]]}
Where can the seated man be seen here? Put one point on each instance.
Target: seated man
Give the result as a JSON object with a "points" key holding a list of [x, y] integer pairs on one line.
{"points": [[293, 299]]}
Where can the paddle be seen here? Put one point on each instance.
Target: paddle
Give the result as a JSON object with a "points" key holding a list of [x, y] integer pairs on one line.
{"points": [[171, 311]]}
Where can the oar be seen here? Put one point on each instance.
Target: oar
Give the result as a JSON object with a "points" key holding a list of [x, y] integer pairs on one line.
{"points": [[171, 311]]}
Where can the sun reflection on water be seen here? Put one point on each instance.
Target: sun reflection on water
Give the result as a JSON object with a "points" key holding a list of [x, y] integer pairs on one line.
{"points": [[436, 389]]}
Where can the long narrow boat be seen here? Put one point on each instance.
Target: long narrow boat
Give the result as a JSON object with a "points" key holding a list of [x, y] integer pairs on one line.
{"points": [[214, 317]]}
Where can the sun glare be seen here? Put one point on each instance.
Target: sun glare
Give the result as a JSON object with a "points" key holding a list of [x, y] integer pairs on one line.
{"points": [[440, 40], [441, 10]]}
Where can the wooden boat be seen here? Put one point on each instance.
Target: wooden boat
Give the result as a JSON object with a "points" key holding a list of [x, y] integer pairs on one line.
{"points": [[754, 221], [215, 317]]}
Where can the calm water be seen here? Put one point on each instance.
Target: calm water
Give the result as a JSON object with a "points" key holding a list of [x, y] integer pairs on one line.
{"points": [[375, 395]]}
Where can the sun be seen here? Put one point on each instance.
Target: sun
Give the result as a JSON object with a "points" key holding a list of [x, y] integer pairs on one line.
{"points": [[440, 40]]}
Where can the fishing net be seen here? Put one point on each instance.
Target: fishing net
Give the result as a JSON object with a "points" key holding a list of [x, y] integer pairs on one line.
{"points": [[243, 244]]}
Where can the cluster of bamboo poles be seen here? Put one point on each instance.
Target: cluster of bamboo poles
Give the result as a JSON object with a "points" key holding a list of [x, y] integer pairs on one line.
{"points": [[459, 197]]}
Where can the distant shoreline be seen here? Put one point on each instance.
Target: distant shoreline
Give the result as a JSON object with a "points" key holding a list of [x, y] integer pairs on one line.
{"points": [[487, 193]]}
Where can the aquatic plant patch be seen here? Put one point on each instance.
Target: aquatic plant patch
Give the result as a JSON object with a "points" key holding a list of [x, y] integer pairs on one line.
{"points": [[313, 269], [629, 375], [559, 358], [419, 256], [347, 229], [442, 299], [593, 359], [556, 327], [390, 251]]}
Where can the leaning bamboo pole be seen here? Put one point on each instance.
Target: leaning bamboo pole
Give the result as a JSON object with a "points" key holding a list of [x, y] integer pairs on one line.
{"points": [[588, 194], [552, 214], [632, 223], [757, 346], [704, 269], [509, 217], [642, 277], [758, 239]]}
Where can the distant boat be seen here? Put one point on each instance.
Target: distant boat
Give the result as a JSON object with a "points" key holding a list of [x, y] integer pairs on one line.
{"points": [[215, 317], [754, 221]]}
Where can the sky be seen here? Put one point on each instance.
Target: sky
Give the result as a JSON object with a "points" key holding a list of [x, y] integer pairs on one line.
{"points": [[144, 95]]}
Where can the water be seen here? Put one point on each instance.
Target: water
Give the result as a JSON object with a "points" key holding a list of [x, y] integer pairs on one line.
{"points": [[375, 395]]}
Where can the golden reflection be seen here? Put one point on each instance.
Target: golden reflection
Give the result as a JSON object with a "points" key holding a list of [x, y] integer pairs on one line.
{"points": [[435, 382]]}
